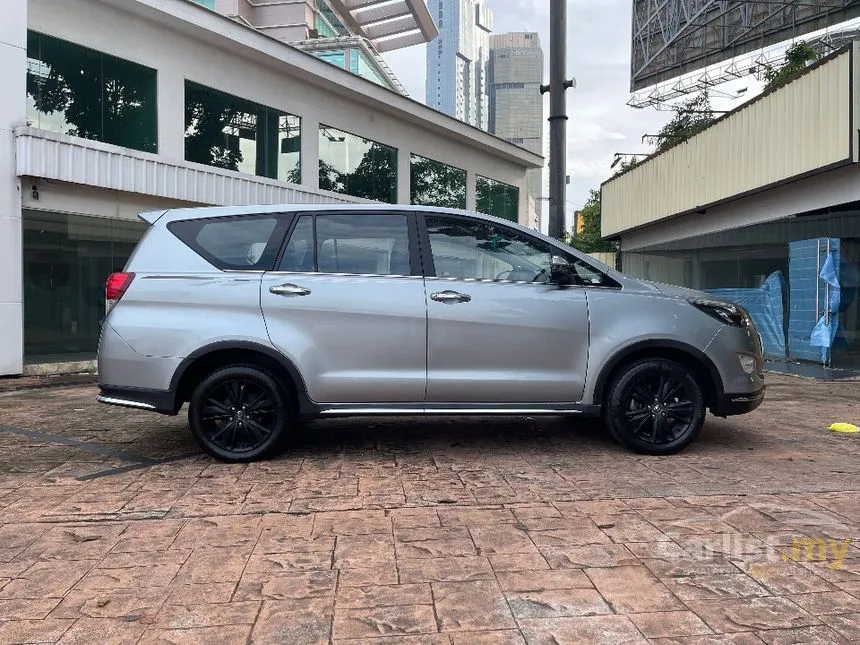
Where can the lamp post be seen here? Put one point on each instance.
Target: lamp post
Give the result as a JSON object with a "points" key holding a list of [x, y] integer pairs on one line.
{"points": [[558, 85]]}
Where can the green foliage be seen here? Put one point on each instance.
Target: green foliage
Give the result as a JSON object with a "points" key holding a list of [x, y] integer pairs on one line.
{"points": [[629, 164], [797, 57], [589, 240], [691, 117]]}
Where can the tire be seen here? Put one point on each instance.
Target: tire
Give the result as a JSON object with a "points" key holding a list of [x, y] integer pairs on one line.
{"points": [[230, 433], [655, 407]]}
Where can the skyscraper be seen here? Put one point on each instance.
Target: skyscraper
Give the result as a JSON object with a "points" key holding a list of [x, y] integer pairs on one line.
{"points": [[458, 60], [516, 104]]}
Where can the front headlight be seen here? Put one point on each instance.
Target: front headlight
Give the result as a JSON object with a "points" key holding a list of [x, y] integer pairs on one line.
{"points": [[725, 312]]}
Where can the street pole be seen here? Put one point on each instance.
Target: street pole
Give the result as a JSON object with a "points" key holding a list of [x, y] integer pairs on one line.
{"points": [[558, 85]]}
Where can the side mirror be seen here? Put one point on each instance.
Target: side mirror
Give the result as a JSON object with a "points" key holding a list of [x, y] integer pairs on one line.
{"points": [[560, 271]]}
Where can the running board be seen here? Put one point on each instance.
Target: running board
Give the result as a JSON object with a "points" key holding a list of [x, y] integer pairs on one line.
{"points": [[458, 410]]}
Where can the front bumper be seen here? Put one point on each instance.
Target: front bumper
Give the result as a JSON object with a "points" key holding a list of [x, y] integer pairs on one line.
{"points": [[728, 405]]}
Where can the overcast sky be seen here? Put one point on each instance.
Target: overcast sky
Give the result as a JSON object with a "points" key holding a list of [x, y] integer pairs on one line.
{"points": [[601, 123]]}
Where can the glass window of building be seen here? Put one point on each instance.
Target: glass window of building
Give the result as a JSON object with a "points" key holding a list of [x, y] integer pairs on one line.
{"points": [[67, 259], [209, 4], [327, 24], [437, 184], [231, 133], [497, 198], [774, 270], [78, 91], [357, 62], [357, 166]]}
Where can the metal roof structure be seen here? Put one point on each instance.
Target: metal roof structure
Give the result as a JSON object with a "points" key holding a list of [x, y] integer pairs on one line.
{"points": [[672, 38], [388, 24], [753, 64]]}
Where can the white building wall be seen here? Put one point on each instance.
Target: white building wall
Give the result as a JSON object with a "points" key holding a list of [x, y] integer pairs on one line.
{"points": [[840, 186], [13, 60], [254, 78]]}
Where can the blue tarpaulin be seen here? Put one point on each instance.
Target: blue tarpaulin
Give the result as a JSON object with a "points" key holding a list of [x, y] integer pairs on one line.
{"points": [[825, 330], [766, 309]]}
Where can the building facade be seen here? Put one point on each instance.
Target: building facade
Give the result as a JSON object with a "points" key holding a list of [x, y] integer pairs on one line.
{"points": [[458, 60], [112, 107], [762, 208], [339, 32], [516, 102]]}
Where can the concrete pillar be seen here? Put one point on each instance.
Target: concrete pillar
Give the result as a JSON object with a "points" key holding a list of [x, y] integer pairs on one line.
{"points": [[404, 176], [171, 113], [471, 190], [13, 113], [310, 159]]}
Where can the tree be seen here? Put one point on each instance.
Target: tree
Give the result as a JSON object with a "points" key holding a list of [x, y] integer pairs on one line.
{"points": [[589, 240], [797, 57], [691, 117]]}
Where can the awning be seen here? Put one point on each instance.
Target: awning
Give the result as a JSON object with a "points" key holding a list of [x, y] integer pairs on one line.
{"points": [[388, 24]]}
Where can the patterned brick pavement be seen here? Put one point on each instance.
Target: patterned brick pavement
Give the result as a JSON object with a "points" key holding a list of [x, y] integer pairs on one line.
{"points": [[114, 529]]}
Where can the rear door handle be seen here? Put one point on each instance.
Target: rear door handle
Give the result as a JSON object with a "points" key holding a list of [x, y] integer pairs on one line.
{"points": [[450, 297], [289, 290]]}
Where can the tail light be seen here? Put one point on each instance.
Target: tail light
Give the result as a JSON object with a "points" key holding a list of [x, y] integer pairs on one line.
{"points": [[117, 284]]}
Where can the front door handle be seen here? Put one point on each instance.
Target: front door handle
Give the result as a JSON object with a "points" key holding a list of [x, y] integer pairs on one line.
{"points": [[289, 290], [450, 297]]}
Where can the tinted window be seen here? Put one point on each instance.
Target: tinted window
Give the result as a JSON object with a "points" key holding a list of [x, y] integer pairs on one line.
{"points": [[299, 254], [480, 251], [84, 93], [355, 244], [437, 184], [232, 243], [497, 198], [231, 133], [357, 166]]}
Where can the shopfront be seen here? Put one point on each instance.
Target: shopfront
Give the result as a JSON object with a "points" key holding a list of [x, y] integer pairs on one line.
{"points": [[798, 277]]}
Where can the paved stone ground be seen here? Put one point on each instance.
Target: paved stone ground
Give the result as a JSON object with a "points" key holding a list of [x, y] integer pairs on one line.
{"points": [[114, 529]]}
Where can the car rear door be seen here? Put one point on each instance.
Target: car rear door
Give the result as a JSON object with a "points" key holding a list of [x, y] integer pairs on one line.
{"points": [[498, 330], [346, 305]]}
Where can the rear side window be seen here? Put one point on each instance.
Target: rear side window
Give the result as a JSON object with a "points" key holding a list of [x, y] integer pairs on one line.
{"points": [[234, 243]]}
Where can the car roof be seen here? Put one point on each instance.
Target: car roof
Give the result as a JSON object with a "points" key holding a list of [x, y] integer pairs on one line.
{"points": [[174, 214]]}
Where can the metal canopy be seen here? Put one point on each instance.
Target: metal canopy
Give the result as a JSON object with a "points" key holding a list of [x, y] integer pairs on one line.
{"points": [[388, 24], [675, 37]]}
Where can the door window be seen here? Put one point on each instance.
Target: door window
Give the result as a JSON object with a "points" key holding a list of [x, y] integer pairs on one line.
{"points": [[475, 250], [352, 244]]}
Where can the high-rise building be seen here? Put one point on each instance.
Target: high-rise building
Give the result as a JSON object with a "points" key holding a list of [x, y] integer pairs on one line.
{"points": [[516, 103], [458, 60]]}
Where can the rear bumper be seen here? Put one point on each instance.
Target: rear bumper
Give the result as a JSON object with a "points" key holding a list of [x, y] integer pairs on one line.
{"points": [[139, 399], [728, 405]]}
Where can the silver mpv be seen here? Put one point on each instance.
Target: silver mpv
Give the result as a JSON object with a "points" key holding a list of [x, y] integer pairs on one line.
{"points": [[261, 317]]}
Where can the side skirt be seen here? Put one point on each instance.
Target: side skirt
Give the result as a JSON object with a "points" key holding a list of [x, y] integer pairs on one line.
{"points": [[455, 409]]}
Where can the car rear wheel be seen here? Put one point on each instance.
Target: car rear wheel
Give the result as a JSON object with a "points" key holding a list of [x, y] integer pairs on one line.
{"points": [[239, 414], [655, 407]]}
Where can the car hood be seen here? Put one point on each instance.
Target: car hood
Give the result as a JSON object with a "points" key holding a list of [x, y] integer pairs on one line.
{"points": [[681, 292]]}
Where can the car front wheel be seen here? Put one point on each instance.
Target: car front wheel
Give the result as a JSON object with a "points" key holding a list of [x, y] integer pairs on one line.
{"points": [[239, 414], [655, 407]]}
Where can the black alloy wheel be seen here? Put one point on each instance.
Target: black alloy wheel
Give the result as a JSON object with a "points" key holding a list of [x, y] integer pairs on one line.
{"points": [[239, 414], [655, 407]]}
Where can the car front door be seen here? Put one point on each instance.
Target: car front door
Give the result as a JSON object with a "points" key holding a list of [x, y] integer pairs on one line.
{"points": [[346, 305], [498, 330]]}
